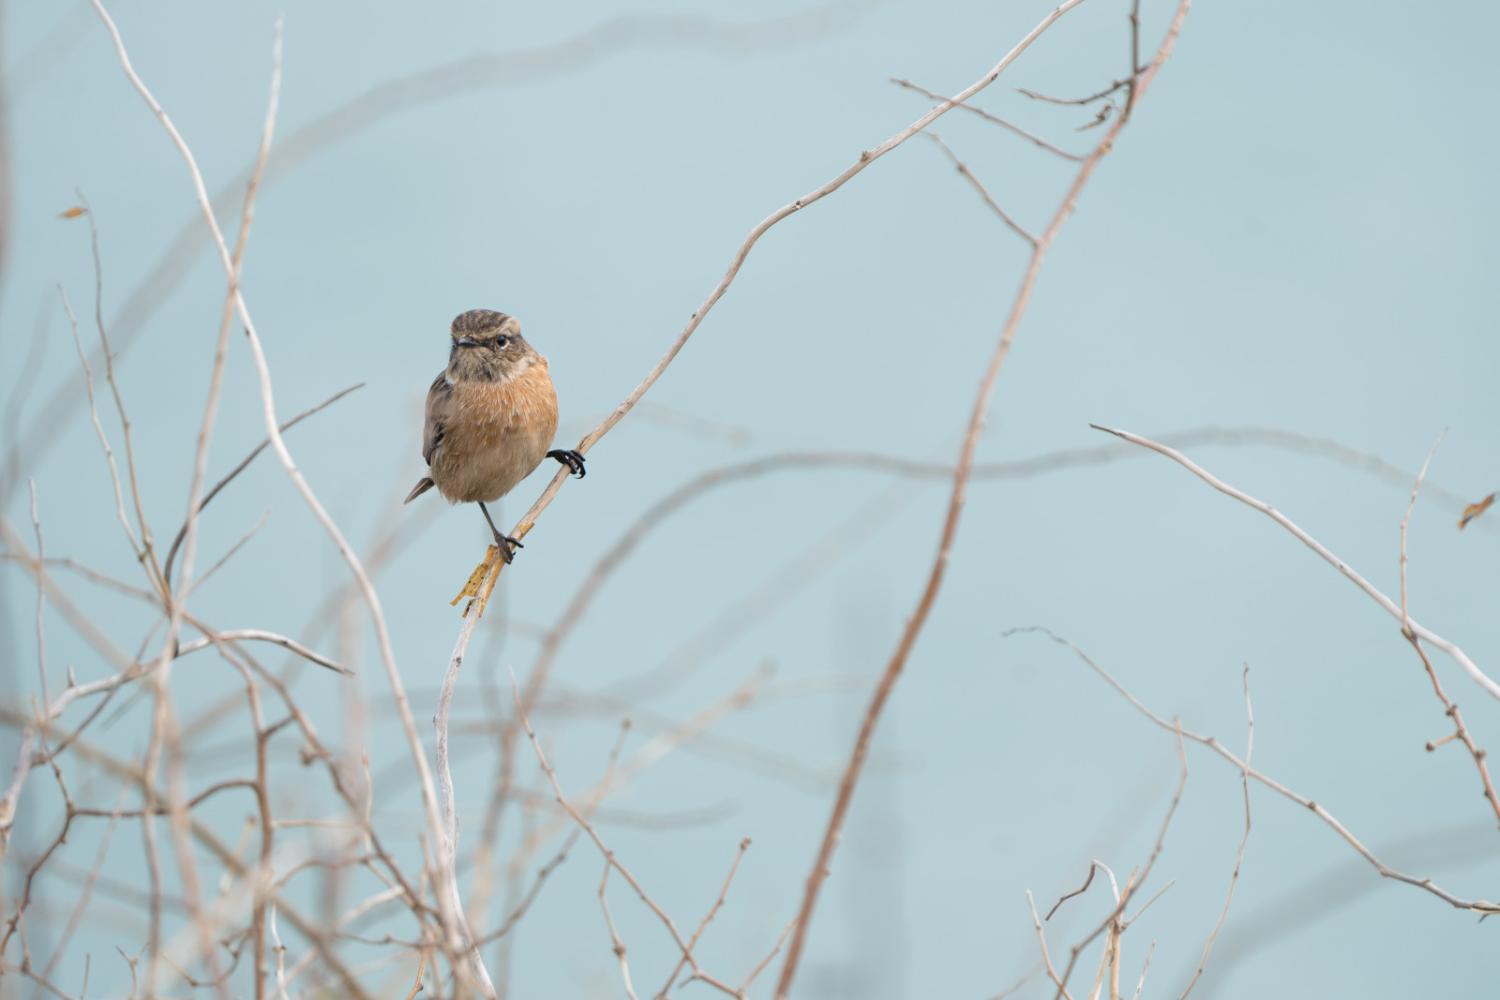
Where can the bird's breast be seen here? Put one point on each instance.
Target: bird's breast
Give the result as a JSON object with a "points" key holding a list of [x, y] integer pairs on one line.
{"points": [[497, 434]]}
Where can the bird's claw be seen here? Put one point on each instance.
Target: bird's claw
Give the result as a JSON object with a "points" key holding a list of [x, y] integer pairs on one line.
{"points": [[572, 459], [503, 544]]}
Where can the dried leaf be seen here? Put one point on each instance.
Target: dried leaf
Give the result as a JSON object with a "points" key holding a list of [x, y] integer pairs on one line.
{"points": [[1474, 510], [72, 213]]}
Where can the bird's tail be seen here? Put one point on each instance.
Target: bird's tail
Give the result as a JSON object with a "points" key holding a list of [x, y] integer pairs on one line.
{"points": [[423, 485]]}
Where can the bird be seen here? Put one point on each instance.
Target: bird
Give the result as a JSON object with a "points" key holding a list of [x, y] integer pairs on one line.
{"points": [[490, 418]]}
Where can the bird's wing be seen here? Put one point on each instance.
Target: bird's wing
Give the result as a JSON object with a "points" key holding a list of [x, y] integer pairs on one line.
{"points": [[439, 408]]}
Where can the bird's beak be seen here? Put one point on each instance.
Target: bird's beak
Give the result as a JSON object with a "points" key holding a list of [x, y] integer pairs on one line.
{"points": [[466, 342]]}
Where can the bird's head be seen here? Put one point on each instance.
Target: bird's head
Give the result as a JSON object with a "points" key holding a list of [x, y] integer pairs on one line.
{"points": [[488, 346]]}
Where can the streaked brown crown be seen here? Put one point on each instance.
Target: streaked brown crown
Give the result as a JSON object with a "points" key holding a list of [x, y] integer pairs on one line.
{"points": [[480, 321]]}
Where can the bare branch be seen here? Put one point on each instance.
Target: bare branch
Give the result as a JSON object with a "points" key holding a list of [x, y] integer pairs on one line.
{"points": [[1041, 937], [41, 598], [261, 635], [1094, 866], [975, 109], [1115, 923], [897, 662], [968, 175], [616, 945], [1452, 649], [1099, 95], [1482, 906], [109, 454], [1406, 522], [213, 491], [448, 845], [485, 583], [470, 73], [148, 555], [611, 860], [1145, 968], [1239, 854], [709, 916], [1135, 58], [356, 567]]}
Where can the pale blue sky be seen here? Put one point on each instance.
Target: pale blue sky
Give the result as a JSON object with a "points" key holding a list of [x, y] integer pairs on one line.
{"points": [[1298, 231]]}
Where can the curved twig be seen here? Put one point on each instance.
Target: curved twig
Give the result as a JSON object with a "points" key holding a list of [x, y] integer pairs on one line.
{"points": [[243, 464], [1349, 573], [897, 662], [1481, 906]]}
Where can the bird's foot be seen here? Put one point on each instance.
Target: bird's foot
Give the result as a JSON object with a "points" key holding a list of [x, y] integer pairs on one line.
{"points": [[503, 545], [572, 459]]}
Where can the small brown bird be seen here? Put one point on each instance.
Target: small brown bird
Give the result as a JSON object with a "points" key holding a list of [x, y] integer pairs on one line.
{"points": [[491, 415]]}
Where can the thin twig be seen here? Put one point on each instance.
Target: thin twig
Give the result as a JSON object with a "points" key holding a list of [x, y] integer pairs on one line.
{"points": [[709, 916], [280, 950], [1090, 99], [994, 119], [1460, 730], [416, 986], [1239, 854], [447, 876], [1140, 984], [466, 74], [984, 194], [133, 774], [356, 567], [1452, 649], [1411, 504], [80, 906], [41, 597], [261, 635], [1114, 924], [1450, 708], [213, 491], [232, 551], [109, 454], [611, 860], [867, 157], [633, 536], [1041, 937], [897, 662], [188, 534], [616, 944], [148, 554], [1088, 880], [760, 966], [1135, 55], [487, 581], [1482, 906]]}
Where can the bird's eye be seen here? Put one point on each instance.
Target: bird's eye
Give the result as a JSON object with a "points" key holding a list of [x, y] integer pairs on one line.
{"points": [[501, 341]]}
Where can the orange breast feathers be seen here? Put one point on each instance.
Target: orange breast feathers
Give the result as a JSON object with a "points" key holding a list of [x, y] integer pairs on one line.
{"points": [[496, 435]]}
